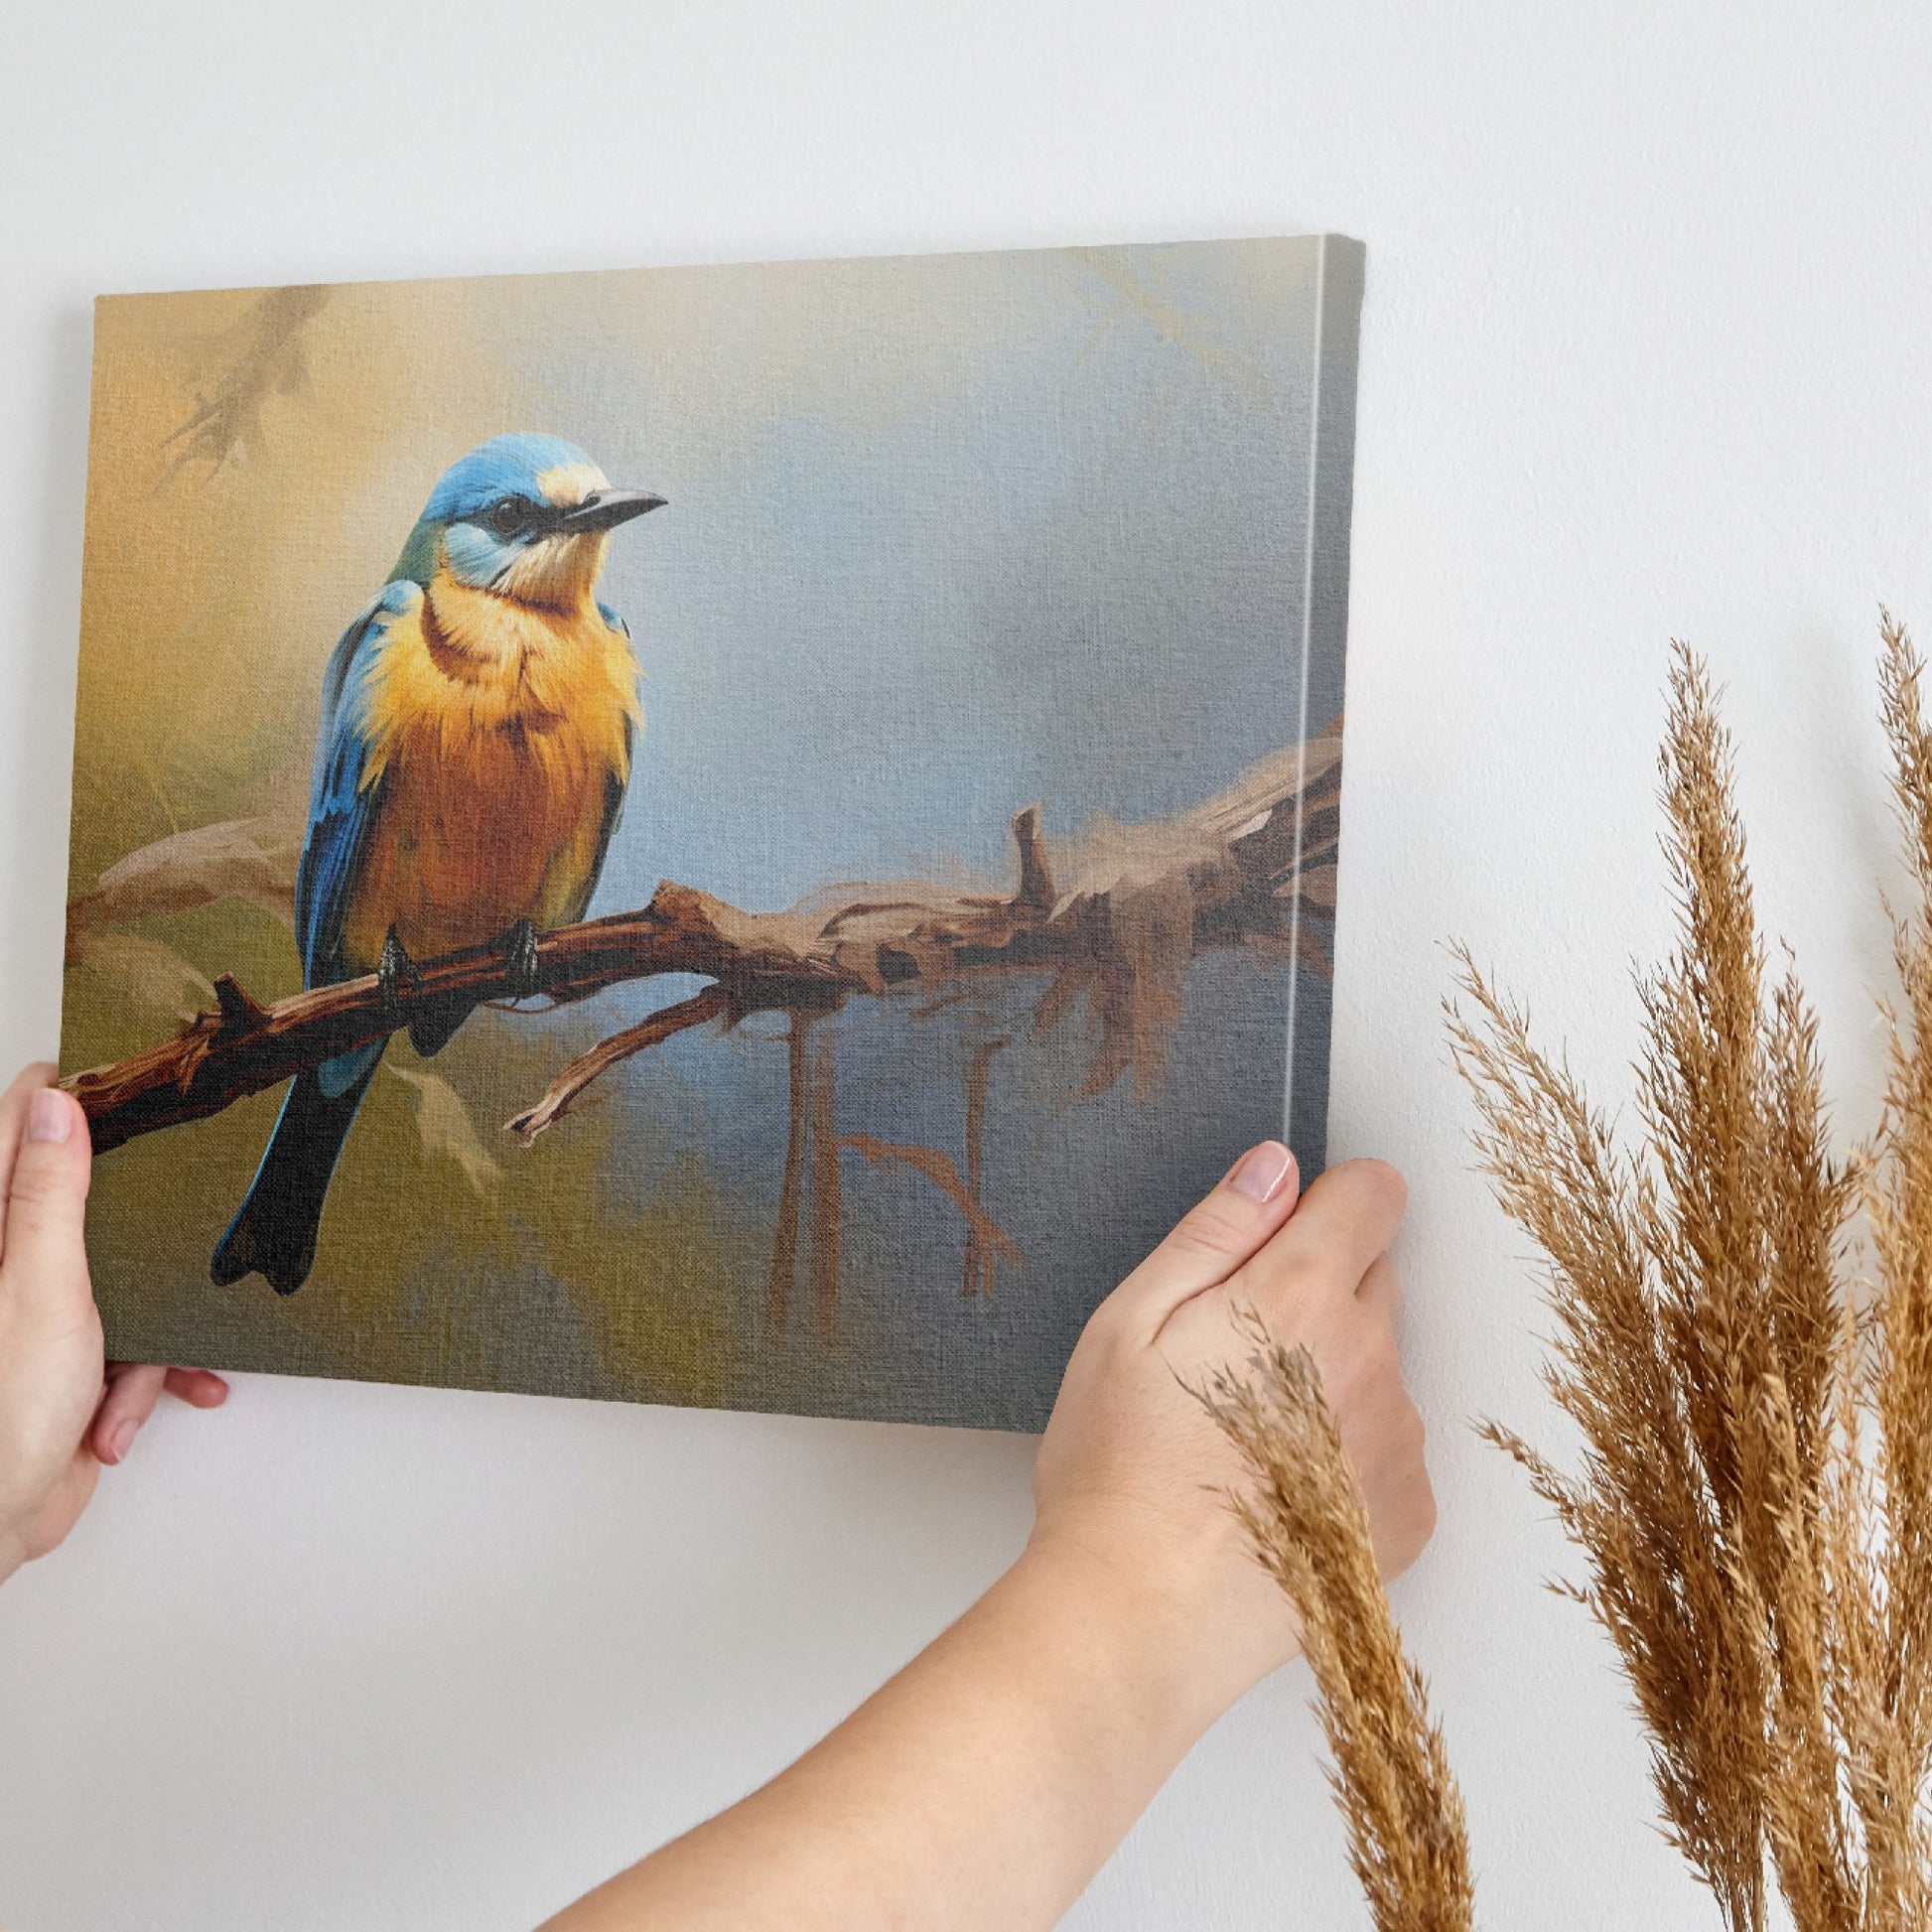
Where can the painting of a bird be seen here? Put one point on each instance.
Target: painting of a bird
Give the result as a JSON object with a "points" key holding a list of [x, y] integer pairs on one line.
{"points": [[973, 897], [478, 718]]}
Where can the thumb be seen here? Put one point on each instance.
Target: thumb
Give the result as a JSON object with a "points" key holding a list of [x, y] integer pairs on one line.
{"points": [[1235, 1221], [44, 1259]]}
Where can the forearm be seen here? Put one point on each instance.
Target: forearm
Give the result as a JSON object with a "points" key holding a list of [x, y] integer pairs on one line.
{"points": [[984, 1785]]}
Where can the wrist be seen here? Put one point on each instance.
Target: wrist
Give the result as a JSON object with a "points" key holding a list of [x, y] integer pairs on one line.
{"points": [[1162, 1631]]}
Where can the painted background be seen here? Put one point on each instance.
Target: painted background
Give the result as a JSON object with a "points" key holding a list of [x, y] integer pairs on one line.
{"points": [[946, 535]]}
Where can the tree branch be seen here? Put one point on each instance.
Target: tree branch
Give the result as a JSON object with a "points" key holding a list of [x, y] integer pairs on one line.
{"points": [[713, 1003], [1116, 914], [792, 1192]]}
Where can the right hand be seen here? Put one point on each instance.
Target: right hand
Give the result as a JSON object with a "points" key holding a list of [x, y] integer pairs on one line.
{"points": [[1132, 1473]]}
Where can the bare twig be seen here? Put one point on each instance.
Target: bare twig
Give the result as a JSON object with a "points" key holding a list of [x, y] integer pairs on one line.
{"points": [[979, 1256], [713, 1003], [791, 1194], [940, 1168], [828, 1188]]}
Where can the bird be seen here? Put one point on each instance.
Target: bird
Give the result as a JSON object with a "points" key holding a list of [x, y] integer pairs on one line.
{"points": [[478, 723]]}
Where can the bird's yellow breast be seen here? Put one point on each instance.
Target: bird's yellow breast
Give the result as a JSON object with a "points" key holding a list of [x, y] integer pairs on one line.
{"points": [[496, 729]]}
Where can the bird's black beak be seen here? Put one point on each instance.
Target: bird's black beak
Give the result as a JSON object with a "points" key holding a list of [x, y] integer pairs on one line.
{"points": [[605, 509]]}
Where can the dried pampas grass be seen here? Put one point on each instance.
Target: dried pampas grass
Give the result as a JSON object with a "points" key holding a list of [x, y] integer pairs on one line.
{"points": [[1308, 1524], [1753, 1391], [1754, 1496]]}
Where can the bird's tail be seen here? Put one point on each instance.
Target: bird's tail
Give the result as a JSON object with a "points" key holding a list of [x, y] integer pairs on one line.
{"points": [[273, 1233]]}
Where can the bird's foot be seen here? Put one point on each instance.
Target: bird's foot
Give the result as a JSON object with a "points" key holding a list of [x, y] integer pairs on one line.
{"points": [[396, 977], [522, 975]]}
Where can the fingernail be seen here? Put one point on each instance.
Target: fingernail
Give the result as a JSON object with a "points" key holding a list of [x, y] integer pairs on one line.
{"points": [[122, 1439], [50, 1116], [1261, 1171]]}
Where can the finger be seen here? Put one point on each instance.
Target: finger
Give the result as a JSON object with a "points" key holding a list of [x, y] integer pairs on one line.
{"points": [[1347, 1216], [44, 1265], [200, 1388], [132, 1392], [13, 1124], [1255, 1196], [1380, 1294]]}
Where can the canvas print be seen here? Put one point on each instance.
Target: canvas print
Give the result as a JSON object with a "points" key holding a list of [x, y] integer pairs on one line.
{"points": [[744, 836]]}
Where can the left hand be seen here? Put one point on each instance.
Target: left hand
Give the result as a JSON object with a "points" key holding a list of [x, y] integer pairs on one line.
{"points": [[64, 1410]]}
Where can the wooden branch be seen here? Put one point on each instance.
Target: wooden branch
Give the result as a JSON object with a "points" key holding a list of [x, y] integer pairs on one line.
{"points": [[938, 1168], [792, 1192], [246, 1048], [713, 1003], [828, 1191], [1115, 914], [1036, 874], [979, 1253]]}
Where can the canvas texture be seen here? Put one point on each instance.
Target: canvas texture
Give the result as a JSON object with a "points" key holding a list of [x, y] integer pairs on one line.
{"points": [[743, 835]]}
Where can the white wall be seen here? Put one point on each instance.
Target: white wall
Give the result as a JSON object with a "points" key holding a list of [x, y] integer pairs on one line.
{"points": [[1644, 354]]}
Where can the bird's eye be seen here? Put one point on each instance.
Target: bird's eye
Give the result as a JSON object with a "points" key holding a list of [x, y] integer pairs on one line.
{"points": [[509, 516]]}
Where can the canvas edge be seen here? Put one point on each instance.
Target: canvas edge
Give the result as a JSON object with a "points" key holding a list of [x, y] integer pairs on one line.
{"points": [[1340, 285]]}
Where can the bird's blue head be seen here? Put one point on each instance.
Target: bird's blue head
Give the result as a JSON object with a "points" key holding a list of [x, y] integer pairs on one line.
{"points": [[525, 516]]}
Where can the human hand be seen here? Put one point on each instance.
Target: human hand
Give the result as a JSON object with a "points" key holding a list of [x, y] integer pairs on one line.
{"points": [[1044, 1720], [1129, 1481], [63, 1411]]}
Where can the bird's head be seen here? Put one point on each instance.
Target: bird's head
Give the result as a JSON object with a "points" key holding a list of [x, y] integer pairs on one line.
{"points": [[527, 517]]}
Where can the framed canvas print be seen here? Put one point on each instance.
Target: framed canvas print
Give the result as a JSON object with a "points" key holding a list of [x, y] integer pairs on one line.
{"points": [[745, 836]]}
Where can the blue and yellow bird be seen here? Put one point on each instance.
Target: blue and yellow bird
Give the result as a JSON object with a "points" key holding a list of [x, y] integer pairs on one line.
{"points": [[478, 720]]}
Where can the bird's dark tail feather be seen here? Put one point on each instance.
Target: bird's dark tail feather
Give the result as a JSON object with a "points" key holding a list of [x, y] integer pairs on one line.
{"points": [[273, 1233]]}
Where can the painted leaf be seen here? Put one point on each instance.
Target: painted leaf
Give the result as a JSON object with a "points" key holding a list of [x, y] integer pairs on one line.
{"points": [[446, 1128], [251, 859]]}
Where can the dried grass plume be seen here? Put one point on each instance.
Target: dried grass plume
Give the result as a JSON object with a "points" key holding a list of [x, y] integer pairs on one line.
{"points": [[1308, 1524], [1753, 1501]]}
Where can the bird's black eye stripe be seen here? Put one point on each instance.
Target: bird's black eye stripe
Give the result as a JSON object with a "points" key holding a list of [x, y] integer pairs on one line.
{"points": [[512, 515]]}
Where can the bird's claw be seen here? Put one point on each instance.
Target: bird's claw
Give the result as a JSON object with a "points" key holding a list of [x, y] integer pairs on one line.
{"points": [[396, 976], [523, 976]]}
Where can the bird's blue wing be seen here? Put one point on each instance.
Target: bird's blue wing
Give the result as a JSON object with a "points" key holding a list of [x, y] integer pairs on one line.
{"points": [[342, 808], [340, 805]]}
